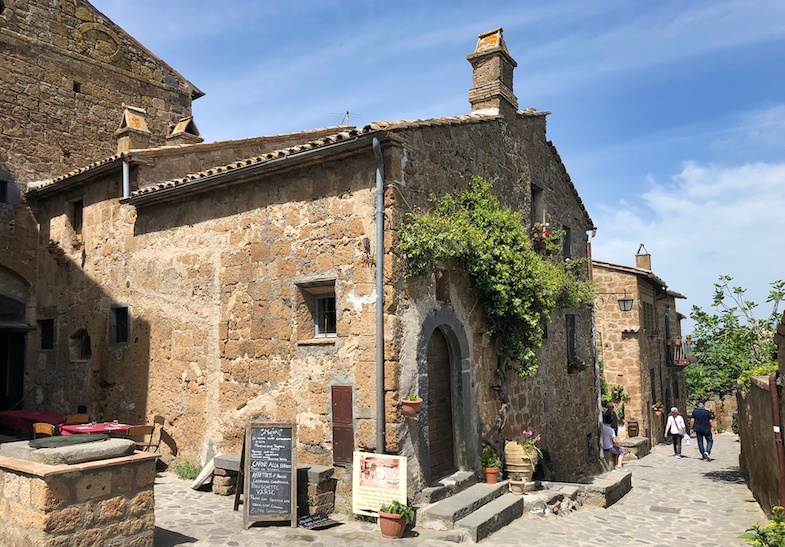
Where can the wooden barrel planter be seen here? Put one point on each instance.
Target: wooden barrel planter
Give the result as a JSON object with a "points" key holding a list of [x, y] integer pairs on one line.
{"points": [[520, 462]]}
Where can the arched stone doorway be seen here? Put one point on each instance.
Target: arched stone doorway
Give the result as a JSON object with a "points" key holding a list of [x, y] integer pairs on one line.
{"points": [[440, 411], [449, 440]]}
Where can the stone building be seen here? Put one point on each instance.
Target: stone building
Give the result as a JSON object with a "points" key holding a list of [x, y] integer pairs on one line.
{"points": [[640, 347], [259, 280], [66, 72]]}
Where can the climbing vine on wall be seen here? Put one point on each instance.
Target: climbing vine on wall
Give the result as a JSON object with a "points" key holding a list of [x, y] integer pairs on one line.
{"points": [[518, 287]]}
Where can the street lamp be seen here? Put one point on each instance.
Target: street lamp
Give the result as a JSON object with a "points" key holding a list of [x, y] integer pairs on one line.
{"points": [[624, 301]]}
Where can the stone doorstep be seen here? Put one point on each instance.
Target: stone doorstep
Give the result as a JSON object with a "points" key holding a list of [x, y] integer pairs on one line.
{"points": [[491, 517], [447, 486], [443, 514]]}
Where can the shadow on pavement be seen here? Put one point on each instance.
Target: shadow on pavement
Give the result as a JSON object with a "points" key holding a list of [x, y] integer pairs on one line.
{"points": [[728, 475], [167, 538]]}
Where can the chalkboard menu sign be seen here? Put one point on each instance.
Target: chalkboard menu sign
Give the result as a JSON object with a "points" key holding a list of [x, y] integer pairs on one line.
{"points": [[270, 473]]}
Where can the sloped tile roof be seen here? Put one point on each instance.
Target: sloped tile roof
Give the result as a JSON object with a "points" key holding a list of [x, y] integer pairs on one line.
{"points": [[640, 273]]}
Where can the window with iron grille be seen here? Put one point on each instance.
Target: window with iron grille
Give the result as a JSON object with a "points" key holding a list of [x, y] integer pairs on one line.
{"points": [[326, 323]]}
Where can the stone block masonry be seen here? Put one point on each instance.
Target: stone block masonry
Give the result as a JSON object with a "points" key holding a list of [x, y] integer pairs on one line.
{"points": [[105, 502]]}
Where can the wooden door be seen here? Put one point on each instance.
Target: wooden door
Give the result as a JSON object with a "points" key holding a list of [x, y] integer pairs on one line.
{"points": [[440, 436]]}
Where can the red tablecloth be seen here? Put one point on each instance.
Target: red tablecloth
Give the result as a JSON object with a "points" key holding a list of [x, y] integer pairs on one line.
{"points": [[25, 418], [98, 427]]}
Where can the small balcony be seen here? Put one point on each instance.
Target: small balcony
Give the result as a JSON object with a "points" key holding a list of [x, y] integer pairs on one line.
{"points": [[677, 353]]}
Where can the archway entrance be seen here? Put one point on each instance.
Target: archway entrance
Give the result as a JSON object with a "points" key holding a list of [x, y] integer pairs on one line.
{"points": [[440, 411]]}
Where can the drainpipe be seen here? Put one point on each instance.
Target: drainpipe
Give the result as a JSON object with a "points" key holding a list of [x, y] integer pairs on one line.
{"points": [[126, 180], [775, 414], [380, 416]]}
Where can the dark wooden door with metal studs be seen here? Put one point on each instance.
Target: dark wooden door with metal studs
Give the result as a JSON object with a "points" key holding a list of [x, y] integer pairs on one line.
{"points": [[440, 406]]}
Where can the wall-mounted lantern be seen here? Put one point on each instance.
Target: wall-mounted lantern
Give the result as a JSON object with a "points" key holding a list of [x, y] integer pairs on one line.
{"points": [[624, 301]]}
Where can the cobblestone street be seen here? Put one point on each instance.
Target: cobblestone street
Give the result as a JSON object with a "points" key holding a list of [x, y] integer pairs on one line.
{"points": [[673, 501]]}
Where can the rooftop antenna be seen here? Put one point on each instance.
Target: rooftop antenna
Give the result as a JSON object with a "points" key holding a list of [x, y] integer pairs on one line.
{"points": [[345, 119]]}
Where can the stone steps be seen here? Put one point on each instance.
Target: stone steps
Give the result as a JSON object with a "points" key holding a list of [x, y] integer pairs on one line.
{"points": [[473, 511]]}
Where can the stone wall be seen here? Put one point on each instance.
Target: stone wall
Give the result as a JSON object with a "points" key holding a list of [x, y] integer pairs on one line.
{"points": [[106, 502], [758, 448], [66, 70]]}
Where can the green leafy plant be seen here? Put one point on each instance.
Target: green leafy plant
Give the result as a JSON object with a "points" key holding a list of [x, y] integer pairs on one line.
{"points": [[726, 344], [771, 535], [519, 289], [76, 238], [395, 507], [490, 458], [187, 470], [411, 397], [53, 243]]}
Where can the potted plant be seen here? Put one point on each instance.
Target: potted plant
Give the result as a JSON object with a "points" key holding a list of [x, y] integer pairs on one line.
{"points": [[522, 454], [658, 408], [53, 246], [517, 483], [60, 256], [410, 405], [576, 365], [490, 465], [393, 518], [538, 230], [76, 241]]}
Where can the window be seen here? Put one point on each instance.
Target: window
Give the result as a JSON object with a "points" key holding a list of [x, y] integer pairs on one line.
{"points": [[3, 191], [78, 212], [316, 311], [77, 87], [442, 285], [325, 318], [572, 348], [537, 201], [80, 346], [649, 325], [120, 325], [47, 329], [567, 242], [653, 382]]}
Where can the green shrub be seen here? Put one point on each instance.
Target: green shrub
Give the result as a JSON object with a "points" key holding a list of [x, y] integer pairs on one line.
{"points": [[187, 470], [489, 458], [772, 535]]}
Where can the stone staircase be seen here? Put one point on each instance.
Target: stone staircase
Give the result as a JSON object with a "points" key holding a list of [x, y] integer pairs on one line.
{"points": [[467, 510]]}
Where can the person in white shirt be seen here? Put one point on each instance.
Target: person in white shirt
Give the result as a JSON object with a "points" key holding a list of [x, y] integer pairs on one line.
{"points": [[610, 441], [675, 429]]}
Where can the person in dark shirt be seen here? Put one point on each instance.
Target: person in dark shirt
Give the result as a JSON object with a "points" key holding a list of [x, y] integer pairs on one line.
{"points": [[611, 413], [702, 423]]}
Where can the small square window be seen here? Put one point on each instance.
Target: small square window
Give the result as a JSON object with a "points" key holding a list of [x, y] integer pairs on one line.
{"points": [[316, 311], [120, 325], [47, 329], [77, 87]]}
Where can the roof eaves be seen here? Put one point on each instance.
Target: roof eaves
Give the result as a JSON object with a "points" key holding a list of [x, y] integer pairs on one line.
{"points": [[75, 177], [239, 171]]}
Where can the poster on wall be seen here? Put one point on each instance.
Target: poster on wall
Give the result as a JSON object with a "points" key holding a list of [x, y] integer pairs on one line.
{"points": [[377, 479]]}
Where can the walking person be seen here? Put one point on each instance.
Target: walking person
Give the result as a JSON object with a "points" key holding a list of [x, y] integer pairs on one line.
{"points": [[610, 442], [702, 423], [675, 429]]}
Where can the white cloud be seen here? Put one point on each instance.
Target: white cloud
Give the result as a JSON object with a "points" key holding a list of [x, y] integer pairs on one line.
{"points": [[708, 220]]}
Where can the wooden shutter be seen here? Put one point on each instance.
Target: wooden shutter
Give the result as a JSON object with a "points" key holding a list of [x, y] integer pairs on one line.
{"points": [[343, 429]]}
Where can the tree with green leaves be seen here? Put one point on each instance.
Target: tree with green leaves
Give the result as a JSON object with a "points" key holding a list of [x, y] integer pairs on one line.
{"points": [[731, 344], [518, 288]]}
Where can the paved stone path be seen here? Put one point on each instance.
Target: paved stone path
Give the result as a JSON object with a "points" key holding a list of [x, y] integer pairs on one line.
{"points": [[673, 501]]}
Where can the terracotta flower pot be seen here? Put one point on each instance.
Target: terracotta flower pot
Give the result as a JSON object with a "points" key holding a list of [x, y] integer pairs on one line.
{"points": [[491, 474], [391, 525], [517, 487], [409, 408]]}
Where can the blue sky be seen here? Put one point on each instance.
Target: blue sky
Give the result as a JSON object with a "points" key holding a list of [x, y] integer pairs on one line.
{"points": [[669, 115]]}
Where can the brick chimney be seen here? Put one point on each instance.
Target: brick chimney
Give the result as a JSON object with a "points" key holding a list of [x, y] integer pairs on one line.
{"points": [[492, 76], [643, 259], [133, 133], [184, 132]]}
